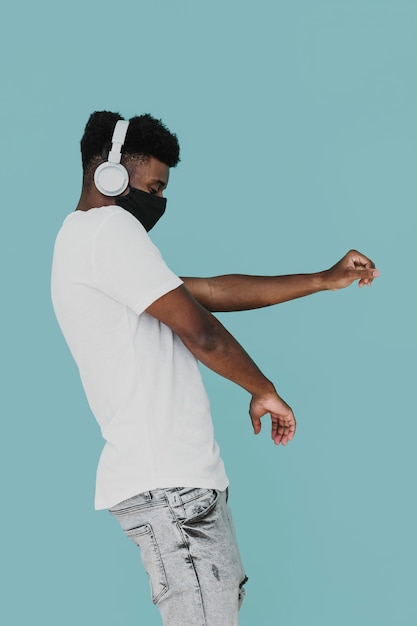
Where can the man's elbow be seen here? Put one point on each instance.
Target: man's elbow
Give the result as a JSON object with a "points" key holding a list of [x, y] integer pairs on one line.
{"points": [[203, 341]]}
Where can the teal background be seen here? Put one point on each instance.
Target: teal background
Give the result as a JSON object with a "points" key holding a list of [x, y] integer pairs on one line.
{"points": [[297, 122]]}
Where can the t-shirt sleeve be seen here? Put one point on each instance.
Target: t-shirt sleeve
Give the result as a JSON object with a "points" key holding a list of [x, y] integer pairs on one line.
{"points": [[127, 266]]}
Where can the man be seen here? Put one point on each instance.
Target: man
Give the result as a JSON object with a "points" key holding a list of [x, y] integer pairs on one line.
{"points": [[137, 332]]}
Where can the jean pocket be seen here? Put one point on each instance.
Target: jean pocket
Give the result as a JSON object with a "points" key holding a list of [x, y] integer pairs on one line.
{"points": [[198, 503], [144, 538]]}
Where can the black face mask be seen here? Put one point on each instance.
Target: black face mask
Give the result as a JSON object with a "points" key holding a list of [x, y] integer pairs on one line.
{"points": [[146, 207]]}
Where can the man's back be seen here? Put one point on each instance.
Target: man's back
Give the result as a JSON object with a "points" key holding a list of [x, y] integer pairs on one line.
{"points": [[143, 386]]}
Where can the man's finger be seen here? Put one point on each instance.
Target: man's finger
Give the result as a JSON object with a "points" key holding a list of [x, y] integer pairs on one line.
{"points": [[366, 276], [281, 431], [359, 259], [256, 423]]}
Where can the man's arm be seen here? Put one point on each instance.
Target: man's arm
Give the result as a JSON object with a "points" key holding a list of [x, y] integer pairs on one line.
{"points": [[236, 292], [214, 346]]}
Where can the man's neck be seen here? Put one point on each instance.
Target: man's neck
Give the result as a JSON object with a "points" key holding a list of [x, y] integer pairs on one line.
{"points": [[91, 198]]}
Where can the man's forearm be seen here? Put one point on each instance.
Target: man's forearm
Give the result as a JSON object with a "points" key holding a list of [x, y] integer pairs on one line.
{"points": [[222, 353], [216, 348], [208, 339], [239, 292]]}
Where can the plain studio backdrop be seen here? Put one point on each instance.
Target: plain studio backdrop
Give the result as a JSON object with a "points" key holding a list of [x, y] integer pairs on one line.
{"points": [[297, 122]]}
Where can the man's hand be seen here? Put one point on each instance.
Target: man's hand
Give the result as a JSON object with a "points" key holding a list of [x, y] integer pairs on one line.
{"points": [[353, 266], [282, 417]]}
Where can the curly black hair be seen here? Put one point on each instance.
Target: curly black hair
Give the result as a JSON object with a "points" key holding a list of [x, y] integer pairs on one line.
{"points": [[146, 137]]}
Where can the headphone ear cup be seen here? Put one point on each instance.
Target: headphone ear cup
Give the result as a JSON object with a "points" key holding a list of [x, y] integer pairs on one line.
{"points": [[111, 179]]}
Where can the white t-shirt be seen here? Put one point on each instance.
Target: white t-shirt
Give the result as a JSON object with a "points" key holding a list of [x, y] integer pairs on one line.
{"points": [[143, 385]]}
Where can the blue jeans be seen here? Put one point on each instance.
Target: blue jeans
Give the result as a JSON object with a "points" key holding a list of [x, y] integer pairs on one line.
{"points": [[188, 547]]}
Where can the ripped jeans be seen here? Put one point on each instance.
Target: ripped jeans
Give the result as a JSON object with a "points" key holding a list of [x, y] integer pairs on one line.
{"points": [[188, 547]]}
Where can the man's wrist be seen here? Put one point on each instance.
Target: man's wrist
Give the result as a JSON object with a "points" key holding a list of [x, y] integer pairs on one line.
{"points": [[322, 280], [264, 390]]}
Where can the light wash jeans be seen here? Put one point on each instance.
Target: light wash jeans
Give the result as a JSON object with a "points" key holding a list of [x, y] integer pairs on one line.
{"points": [[188, 547]]}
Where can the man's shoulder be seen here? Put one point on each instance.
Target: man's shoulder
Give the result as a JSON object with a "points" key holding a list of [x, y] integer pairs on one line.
{"points": [[96, 215], [96, 219]]}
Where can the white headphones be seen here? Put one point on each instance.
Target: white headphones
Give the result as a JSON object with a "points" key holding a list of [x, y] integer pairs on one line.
{"points": [[111, 178]]}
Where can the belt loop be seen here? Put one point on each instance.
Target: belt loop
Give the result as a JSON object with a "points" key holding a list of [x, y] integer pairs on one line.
{"points": [[174, 499]]}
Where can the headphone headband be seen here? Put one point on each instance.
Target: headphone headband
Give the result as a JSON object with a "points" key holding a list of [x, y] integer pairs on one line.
{"points": [[118, 139]]}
